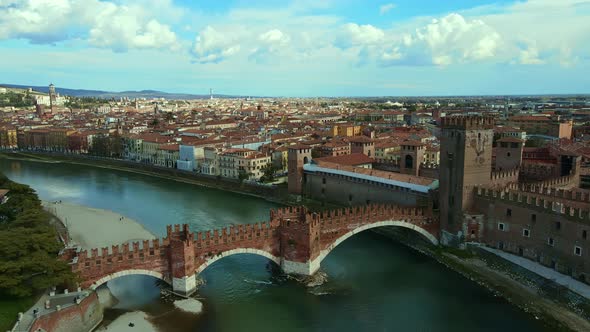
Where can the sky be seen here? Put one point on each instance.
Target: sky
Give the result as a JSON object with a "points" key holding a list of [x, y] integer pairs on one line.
{"points": [[303, 48]]}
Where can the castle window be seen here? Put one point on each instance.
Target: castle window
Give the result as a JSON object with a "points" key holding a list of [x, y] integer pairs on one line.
{"points": [[533, 217], [584, 234], [550, 241], [508, 212], [526, 232], [501, 226], [578, 251], [507, 154], [323, 180], [558, 225]]}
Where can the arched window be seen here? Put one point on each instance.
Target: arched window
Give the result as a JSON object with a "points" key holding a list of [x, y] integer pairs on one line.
{"points": [[409, 161], [305, 160]]}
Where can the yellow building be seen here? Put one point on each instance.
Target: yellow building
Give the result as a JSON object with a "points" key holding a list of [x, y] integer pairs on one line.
{"points": [[245, 162], [346, 130], [387, 152], [8, 138], [167, 155]]}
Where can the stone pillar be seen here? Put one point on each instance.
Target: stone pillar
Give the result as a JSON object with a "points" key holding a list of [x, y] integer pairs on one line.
{"points": [[184, 285], [300, 243], [182, 260], [302, 268]]}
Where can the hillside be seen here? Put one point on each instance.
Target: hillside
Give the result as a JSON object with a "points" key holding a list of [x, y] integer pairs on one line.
{"points": [[109, 94]]}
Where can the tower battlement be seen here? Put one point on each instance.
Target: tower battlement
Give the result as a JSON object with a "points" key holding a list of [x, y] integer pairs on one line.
{"points": [[468, 122]]}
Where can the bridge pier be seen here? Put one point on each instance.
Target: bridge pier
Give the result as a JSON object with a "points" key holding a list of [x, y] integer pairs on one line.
{"points": [[302, 268], [185, 286]]}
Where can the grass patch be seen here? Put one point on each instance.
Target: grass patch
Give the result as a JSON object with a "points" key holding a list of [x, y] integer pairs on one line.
{"points": [[9, 309]]}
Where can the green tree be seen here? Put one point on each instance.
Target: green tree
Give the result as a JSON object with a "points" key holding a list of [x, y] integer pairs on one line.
{"points": [[268, 173], [168, 116], [28, 245]]}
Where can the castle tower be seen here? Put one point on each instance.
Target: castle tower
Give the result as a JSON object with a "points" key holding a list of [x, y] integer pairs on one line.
{"points": [[412, 156], [508, 153], [300, 243], [465, 162], [182, 259], [297, 156]]}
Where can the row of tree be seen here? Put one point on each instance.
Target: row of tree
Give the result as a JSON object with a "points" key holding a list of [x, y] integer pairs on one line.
{"points": [[104, 145], [28, 245], [16, 99]]}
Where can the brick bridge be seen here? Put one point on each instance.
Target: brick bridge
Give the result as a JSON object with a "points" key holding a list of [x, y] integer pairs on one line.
{"points": [[294, 238]]}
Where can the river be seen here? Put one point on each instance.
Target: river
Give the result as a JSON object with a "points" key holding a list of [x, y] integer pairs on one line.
{"points": [[374, 283]]}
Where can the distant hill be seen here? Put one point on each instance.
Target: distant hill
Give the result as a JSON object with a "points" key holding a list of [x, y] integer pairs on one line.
{"points": [[109, 94]]}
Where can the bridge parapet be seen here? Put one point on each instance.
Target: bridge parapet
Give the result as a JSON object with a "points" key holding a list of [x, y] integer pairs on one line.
{"points": [[94, 265], [295, 238]]}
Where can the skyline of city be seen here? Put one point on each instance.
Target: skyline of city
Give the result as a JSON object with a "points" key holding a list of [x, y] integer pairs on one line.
{"points": [[302, 48]]}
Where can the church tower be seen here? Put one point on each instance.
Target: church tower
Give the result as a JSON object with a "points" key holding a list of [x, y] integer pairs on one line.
{"points": [[465, 162]]}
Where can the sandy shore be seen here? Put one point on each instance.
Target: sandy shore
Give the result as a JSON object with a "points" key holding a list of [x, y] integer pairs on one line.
{"points": [[189, 305], [139, 319], [96, 228]]}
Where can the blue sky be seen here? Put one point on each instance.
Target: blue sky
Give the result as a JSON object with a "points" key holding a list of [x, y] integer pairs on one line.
{"points": [[299, 47]]}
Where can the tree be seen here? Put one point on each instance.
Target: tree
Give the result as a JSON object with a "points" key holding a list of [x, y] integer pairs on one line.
{"points": [[268, 173], [28, 245], [168, 116], [243, 175], [155, 122]]}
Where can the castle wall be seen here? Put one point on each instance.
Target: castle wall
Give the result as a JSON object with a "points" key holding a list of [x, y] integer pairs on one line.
{"points": [[544, 228], [349, 191]]}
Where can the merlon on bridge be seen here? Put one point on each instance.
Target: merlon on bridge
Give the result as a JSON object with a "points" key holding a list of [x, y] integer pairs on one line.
{"points": [[294, 238]]}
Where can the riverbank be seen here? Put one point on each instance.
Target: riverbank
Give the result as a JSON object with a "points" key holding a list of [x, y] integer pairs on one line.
{"points": [[276, 194], [95, 228], [131, 321], [510, 282]]}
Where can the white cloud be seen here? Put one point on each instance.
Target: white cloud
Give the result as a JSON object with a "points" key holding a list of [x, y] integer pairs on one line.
{"points": [[444, 41], [353, 34], [212, 46], [530, 56], [274, 36], [270, 42], [386, 8], [551, 31], [103, 24]]}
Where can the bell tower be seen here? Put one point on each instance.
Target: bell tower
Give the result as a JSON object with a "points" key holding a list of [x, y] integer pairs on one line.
{"points": [[465, 162]]}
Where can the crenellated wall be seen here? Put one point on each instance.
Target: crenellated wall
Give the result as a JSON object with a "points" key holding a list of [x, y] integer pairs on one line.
{"points": [[549, 226], [504, 178], [294, 238], [568, 181], [149, 255]]}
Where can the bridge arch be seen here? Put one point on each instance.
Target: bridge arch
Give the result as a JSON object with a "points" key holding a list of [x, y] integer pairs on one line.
{"points": [[123, 273], [396, 223], [236, 251]]}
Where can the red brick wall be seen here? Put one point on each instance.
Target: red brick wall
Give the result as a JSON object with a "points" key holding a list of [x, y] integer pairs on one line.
{"points": [[293, 233], [75, 318]]}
